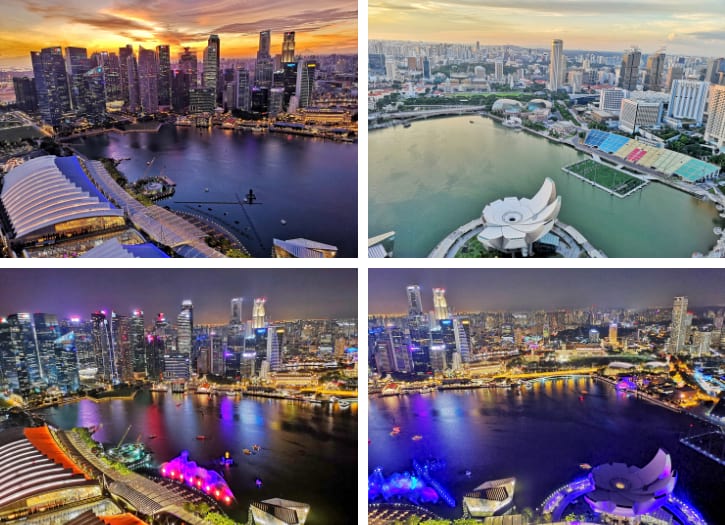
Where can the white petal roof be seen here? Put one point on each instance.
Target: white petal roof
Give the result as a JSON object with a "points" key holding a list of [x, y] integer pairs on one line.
{"points": [[512, 223], [38, 194]]}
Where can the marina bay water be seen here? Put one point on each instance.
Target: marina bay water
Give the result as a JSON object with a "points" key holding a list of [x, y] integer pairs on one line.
{"points": [[308, 452], [539, 436], [311, 184], [427, 180]]}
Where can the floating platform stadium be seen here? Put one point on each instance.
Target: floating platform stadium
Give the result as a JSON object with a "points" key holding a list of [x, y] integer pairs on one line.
{"points": [[662, 160], [608, 178]]}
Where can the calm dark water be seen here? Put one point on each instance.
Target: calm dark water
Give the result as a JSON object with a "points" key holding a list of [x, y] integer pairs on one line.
{"points": [[539, 436], [308, 454], [310, 183]]}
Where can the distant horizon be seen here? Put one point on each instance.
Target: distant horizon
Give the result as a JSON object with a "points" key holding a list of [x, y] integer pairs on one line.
{"points": [[291, 295], [517, 290], [29, 25], [693, 29]]}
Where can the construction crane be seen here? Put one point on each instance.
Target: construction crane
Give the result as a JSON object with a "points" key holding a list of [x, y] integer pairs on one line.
{"points": [[124, 436]]}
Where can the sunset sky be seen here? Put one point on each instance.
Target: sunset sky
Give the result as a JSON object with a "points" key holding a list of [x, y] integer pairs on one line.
{"points": [[323, 26], [689, 28]]}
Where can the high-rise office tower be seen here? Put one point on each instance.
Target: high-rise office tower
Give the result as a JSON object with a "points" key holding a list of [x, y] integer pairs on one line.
{"points": [[305, 82], [77, 64], [273, 355], [163, 55], [613, 334], [103, 349], [148, 80], [211, 65], [180, 88], [111, 73], [185, 328], [122, 343], [440, 306], [678, 329], [51, 84], [188, 64], [288, 47], [123, 55], [236, 310], [66, 359], [259, 316], [137, 338], [463, 346], [557, 65], [715, 71], [654, 80], [629, 72], [715, 129], [26, 97], [93, 101], [276, 101], [687, 100], [134, 100], [426, 68], [46, 331], [244, 93], [415, 303], [676, 72], [264, 66]]}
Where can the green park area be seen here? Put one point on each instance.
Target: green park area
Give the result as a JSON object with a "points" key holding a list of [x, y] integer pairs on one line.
{"points": [[612, 179]]}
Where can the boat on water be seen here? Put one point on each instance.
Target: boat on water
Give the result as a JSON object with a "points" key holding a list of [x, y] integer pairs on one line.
{"points": [[407, 125], [247, 452], [395, 431], [256, 448], [201, 437], [585, 466], [417, 437]]}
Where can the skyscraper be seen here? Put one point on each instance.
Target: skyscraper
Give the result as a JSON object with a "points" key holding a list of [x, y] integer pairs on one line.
{"points": [[211, 65], [259, 317], [654, 80], [715, 71], [676, 72], [288, 47], [138, 342], [25, 95], [678, 329], [77, 64], [164, 79], [273, 357], [66, 358], [426, 68], [184, 328], [148, 80], [103, 348], [264, 67], [123, 54], [111, 73], [440, 306], [687, 100], [188, 64], [613, 334], [629, 72], [305, 82], [236, 313], [93, 101], [134, 100], [51, 84], [244, 93], [463, 346], [557, 65], [715, 129], [415, 303]]}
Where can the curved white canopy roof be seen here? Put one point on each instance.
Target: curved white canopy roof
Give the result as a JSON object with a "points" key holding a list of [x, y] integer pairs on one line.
{"points": [[37, 194]]}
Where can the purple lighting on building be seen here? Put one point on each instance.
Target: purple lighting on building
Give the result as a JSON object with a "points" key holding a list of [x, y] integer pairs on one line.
{"points": [[188, 472]]}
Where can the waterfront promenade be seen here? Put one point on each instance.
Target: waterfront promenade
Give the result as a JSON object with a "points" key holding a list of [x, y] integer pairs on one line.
{"points": [[163, 226]]}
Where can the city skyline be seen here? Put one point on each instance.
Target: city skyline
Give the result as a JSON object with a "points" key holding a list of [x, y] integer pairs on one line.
{"points": [[582, 25], [536, 289], [302, 294], [326, 29]]}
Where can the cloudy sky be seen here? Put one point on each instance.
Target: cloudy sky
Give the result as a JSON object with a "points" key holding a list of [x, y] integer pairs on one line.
{"points": [[322, 26], [532, 289], [291, 294], [688, 28]]}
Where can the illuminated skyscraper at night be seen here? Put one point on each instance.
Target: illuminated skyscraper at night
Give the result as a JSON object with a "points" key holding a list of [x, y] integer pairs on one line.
{"points": [[138, 342], [613, 334], [415, 303], [163, 55], [236, 313], [185, 328], [258, 314], [678, 329], [103, 348], [439, 304], [148, 80], [273, 355]]}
